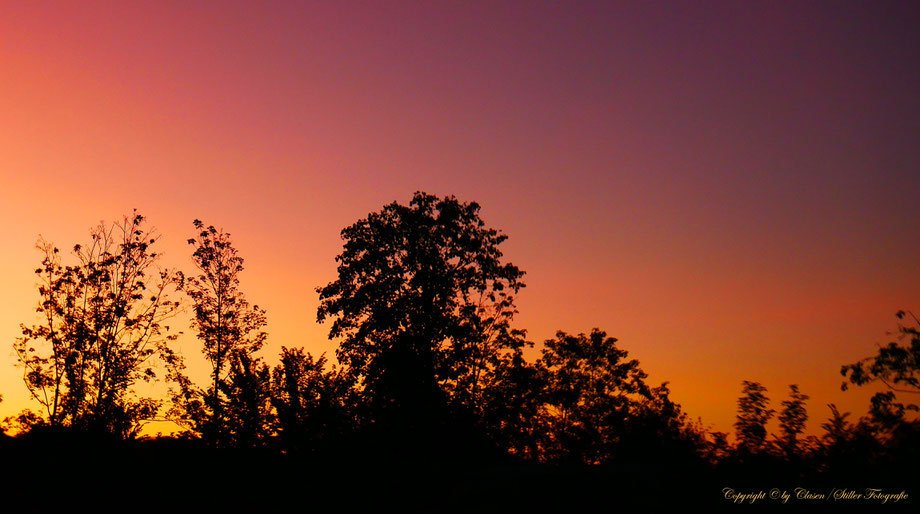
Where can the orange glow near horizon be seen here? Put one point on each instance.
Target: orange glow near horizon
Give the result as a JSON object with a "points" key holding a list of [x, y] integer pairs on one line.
{"points": [[731, 194]]}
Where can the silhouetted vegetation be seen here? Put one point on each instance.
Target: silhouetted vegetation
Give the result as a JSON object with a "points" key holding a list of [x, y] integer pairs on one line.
{"points": [[433, 405], [101, 331], [422, 305], [753, 415], [897, 366], [234, 408]]}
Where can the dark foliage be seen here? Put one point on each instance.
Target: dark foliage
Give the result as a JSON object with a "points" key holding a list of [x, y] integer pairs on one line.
{"points": [[434, 406], [101, 331], [792, 420], [513, 399], [897, 366], [599, 407], [421, 304], [753, 415], [315, 405], [234, 408]]}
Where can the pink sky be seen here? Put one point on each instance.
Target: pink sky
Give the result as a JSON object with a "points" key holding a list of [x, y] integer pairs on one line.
{"points": [[730, 190]]}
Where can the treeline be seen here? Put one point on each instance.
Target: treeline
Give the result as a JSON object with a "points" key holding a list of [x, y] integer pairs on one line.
{"points": [[430, 374]]}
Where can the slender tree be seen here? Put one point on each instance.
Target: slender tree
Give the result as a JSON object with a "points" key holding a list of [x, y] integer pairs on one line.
{"points": [[229, 328], [792, 418], [753, 415]]}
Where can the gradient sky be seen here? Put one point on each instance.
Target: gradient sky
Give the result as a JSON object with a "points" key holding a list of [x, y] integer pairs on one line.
{"points": [[731, 189]]}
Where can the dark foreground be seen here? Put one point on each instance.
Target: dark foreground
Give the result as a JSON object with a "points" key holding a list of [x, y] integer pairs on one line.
{"points": [[63, 472]]}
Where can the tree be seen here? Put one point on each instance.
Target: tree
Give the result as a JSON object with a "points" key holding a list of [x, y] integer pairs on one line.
{"points": [[851, 449], [837, 430], [792, 419], [229, 328], [101, 330], [249, 416], [22, 422], [598, 403], [313, 403], [421, 300], [753, 415], [897, 366], [513, 397]]}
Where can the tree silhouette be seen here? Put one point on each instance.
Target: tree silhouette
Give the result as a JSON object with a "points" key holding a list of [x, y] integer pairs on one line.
{"points": [[596, 399], [101, 330], [837, 429], [850, 449], [897, 366], [249, 417], [230, 330], [22, 422], [313, 403], [753, 415], [513, 398], [420, 302], [792, 418]]}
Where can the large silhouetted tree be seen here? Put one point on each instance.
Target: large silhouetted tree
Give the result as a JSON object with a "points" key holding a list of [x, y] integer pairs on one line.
{"points": [[420, 303], [101, 330], [230, 330]]}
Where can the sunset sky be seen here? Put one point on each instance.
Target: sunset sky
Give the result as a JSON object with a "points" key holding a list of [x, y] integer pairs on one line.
{"points": [[731, 190]]}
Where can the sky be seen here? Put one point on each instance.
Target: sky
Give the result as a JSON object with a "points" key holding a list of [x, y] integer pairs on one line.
{"points": [[729, 189]]}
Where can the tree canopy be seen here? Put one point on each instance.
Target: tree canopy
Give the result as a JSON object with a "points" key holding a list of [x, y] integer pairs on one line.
{"points": [[897, 366], [792, 418], [753, 415], [598, 401], [421, 301]]}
